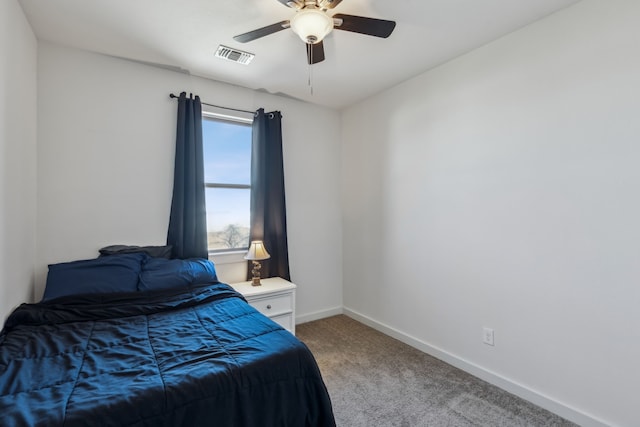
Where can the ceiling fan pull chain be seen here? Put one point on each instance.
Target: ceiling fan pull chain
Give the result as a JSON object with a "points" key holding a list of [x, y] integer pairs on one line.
{"points": [[310, 69]]}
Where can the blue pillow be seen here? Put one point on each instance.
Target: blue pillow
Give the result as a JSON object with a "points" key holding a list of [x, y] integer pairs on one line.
{"points": [[154, 251], [116, 273], [160, 273]]}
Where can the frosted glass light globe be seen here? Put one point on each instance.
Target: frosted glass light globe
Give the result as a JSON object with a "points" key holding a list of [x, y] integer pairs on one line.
{"points": [[311, 25]]}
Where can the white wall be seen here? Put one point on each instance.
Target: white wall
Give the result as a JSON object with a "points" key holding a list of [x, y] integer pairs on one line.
{"points": [[105, 165], [503, 190], [18, 55]]}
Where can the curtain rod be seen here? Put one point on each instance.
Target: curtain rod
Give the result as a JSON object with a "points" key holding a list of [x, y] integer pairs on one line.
{"points": [[218, 106]]}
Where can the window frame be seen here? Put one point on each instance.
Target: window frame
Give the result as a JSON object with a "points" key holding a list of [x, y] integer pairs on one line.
{"points": [[231, 255]]}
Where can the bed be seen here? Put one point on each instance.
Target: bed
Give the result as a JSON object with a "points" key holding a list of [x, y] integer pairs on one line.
{"points": [[177, 348]]}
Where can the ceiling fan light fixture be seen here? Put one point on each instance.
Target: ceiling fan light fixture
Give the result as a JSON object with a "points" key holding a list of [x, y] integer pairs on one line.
{"points": [[311, 25]]}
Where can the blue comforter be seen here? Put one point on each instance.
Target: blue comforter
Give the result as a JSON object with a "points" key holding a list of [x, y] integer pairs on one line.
{"points": [[165, 358]]}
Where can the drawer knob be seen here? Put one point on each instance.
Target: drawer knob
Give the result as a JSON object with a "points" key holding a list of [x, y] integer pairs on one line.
{"points": [[268, 306]]}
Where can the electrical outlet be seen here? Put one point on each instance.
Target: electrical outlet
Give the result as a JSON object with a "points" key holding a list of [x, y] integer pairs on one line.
{"points": [[487, 336]]}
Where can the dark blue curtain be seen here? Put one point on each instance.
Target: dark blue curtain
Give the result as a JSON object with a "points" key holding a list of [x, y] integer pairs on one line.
{"points": [[268, 208], [188, 223]]}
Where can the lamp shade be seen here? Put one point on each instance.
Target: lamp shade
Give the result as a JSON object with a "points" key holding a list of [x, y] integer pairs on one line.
{"points": [[311, 25], [257, 251]]}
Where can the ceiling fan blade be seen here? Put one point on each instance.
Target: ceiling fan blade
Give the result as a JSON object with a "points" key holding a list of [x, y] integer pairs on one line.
{"points": [[261, 32], [328, 4], [315, 52], [369, 26]]}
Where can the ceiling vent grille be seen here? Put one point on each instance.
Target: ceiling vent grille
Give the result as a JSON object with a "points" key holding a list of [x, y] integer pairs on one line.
{"points": [[234, 55]]}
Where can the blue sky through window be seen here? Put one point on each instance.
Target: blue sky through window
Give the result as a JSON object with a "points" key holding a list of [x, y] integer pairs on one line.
{"points": [[227, 152]]}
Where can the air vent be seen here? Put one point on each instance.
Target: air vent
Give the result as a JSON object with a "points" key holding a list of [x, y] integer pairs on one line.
{"points": [[234, 55]]}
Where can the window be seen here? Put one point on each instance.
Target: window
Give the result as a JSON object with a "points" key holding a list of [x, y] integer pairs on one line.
{"points": [[227, 176]]}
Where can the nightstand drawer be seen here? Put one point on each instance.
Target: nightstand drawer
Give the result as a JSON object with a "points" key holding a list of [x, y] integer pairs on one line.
{"points": [[275, 298], [274, 305], [284, 320]]}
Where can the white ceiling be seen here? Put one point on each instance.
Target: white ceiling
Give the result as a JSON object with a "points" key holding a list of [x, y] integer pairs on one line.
{"points": [[184, 34]]}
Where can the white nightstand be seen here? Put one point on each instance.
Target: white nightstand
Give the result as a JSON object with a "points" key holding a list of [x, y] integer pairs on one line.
{"points": [[275, 298]]}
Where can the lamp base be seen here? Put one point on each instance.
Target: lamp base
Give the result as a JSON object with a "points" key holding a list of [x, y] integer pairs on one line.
{"points": [[255, 280]]}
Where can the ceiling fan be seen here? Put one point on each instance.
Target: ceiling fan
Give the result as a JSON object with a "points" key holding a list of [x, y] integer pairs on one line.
{"points": [[312, 24]]}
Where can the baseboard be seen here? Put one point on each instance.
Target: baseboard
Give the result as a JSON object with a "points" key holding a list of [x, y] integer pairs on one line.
{"points": [[310, 317], [524, 392]]}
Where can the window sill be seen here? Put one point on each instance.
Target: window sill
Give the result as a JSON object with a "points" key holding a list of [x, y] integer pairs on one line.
{"points": [[228, 257]]}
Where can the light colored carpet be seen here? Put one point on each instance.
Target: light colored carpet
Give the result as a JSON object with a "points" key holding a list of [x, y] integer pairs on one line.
{"points": [[376, 380]]}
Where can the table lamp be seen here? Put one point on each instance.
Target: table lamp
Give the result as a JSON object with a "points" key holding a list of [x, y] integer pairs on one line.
{"points": [[256, 253]]}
